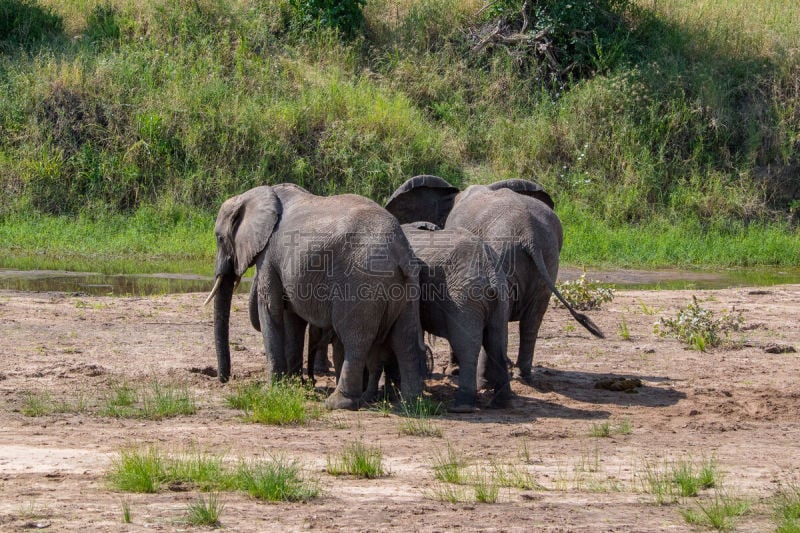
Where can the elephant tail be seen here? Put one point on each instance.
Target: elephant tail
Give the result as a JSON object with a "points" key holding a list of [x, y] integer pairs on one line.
{"points": [[582, 319]]}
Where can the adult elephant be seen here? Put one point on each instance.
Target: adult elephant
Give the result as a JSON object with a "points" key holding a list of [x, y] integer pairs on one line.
{"points": [[516, 218], [464, 300], [339, 262]]}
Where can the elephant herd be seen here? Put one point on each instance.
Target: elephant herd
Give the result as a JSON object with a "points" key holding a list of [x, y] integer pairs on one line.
{"points": [[456, 264]]}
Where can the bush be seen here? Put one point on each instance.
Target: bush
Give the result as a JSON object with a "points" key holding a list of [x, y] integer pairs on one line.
{"points": [[699, 327], [343, 15], [583, 294]]}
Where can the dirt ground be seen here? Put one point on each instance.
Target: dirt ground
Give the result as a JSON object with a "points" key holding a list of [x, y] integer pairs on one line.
{"points": [[737, 406]]}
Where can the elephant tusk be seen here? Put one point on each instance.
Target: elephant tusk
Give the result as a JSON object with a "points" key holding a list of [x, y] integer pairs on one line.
{"points": [[214, 290]]}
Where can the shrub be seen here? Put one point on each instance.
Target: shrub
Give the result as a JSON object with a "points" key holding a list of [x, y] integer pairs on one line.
{"points": [[343, 15], [699, 327], [584, 294]]}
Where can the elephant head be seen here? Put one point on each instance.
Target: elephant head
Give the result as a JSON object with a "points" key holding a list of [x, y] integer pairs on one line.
{"points": [[422, 198], [244, 226]]}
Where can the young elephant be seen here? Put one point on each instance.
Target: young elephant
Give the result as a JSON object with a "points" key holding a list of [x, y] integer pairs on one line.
{"points": [[339, 262], [464, 300]]}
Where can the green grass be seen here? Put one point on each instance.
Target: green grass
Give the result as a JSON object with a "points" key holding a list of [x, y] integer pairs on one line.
{"points": [[787, 510], [284, 402], [607, 429], [720, 513], [415, 417], [205, 511], [670, 147], [359, 460], [126, 512], [676, 480], [278, 480], [149, 470], [449, 467], [152, 401], [36, 404]]}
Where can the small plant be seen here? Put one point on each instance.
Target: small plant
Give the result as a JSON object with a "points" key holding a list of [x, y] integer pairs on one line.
{"points": [[583, 294], [787, 510], [358, 459], [486, 491], [606, 429], [344, 15], [699, 327], [136, 471], [205, 512], [153, 402], [126, 512], [43, 404], [416, 418], [286, 401], [691, 480], [276, 480], [514, 477], [450, 467], [721, 513], [622, 329]]}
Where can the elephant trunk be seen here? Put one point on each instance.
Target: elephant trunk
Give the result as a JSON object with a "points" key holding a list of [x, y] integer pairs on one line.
{"points": [[222, 315]]}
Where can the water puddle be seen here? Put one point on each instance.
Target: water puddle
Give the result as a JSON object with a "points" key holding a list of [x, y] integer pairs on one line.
{"points": [[94, 284]]}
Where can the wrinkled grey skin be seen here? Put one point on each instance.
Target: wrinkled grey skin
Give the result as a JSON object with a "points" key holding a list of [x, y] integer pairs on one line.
{"points": [[464, 300], [346, 248], [516, 218]]}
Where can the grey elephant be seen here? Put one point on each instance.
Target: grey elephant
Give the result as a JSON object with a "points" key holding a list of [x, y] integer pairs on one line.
{"points": [[465, 300], [340, 263], [516, 218]]}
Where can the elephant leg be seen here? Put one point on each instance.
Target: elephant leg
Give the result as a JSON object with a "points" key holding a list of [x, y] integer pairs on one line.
{"points": [[466, 345], [529, 324], [338, 357], [453, 367], [295, 329], [375, 367], [406, 343], [492, 364], [272, 330]]}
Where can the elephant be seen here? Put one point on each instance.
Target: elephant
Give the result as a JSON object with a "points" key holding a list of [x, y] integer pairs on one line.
{"points": [[339, 262], [516, 218], [465, 300]]}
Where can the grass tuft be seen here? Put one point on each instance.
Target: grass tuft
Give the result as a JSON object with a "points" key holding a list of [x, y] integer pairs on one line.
{"points": [[286, 401], [276, 480], [359, 460], [205, 511]]}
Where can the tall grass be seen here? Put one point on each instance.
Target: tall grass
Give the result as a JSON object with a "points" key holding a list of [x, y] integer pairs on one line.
{"points": [[678, 147]]}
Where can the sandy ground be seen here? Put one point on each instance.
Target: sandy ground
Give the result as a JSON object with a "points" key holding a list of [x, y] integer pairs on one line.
{"points": [[737, 405]]}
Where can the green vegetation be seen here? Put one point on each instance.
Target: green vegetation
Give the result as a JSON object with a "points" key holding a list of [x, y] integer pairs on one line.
{"points": [[787, 510], [606, 429], [416, 417], [286, 401], [698, 326], [667, 131], [675, 480], [126, 512], [357, 459], [148, 470], [721, 513], [205, 512], [583, 294], [153, 400]]}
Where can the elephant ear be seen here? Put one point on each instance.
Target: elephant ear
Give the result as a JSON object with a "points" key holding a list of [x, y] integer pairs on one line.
{"points": [[422, 198], [526, 187], [247, 221]]}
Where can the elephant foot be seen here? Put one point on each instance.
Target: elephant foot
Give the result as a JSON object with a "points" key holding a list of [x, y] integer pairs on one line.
{"points": [[338, 400], [462, 408], [502, 398], [322, 366], [464, 402], [525, 376]]}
